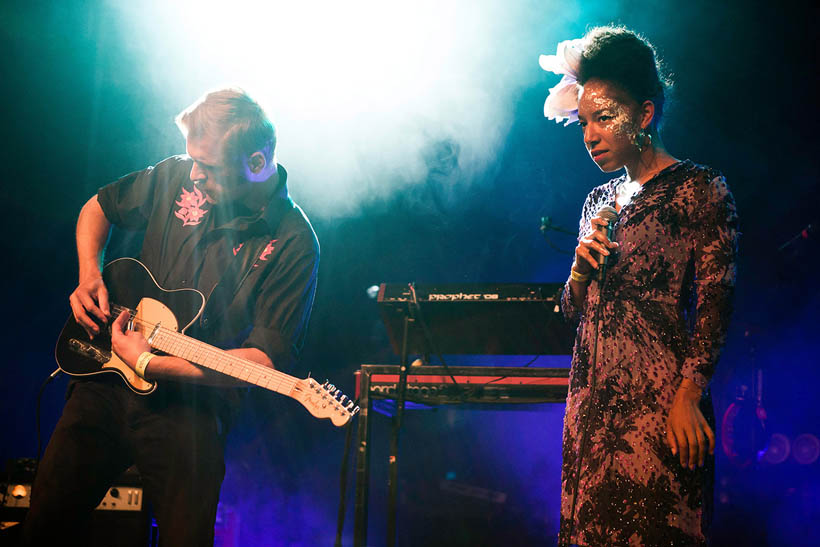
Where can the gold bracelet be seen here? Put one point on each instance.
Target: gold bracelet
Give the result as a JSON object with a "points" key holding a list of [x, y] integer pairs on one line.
{"points": [[142, 362], [579, 277]]}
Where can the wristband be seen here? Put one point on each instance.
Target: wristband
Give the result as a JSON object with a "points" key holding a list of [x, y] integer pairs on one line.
{"points": [[579, 277], [142, 362]]}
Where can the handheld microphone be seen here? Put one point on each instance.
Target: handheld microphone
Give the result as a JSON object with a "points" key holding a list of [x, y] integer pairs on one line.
{"points": [[611, 216]]}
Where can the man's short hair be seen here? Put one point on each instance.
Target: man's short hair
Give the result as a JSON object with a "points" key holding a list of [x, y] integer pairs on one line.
{"points": [[232, 118]]}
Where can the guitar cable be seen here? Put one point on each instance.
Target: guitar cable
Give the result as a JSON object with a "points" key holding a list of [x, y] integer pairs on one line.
{"points": [[37, 420], [525, 365], [427, 334]]}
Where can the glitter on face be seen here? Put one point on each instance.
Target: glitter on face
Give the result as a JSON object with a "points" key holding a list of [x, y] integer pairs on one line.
{"points": [[620, 122], [609, 123]]}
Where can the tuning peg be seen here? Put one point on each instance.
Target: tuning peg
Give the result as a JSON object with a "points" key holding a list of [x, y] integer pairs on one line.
{"points": [[342, 399], [330, 388]]}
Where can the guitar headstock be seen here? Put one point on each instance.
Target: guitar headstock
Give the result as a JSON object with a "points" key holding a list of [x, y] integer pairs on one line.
{"points": [[325, 401]]}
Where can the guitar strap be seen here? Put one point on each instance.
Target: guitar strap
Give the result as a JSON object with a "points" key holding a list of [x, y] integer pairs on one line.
{"points": [[240, 267]]}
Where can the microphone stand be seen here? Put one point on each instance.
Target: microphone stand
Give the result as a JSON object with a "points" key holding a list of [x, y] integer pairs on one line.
{"points": [[546, 226], [612, 216]]}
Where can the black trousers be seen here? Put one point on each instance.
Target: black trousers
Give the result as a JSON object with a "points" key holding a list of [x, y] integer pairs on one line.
{"points": [[177, 447]]}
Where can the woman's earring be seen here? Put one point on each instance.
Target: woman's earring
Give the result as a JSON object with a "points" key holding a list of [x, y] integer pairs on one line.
{"points": [[642, 139]]}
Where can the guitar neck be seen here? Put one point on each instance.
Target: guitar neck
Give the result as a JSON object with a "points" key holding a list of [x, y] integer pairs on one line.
{"points": [[211, 357]]}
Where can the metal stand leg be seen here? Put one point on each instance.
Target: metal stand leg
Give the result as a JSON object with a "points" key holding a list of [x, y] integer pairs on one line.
{"points": [[393, 461], [362, 464], [552, 389]]}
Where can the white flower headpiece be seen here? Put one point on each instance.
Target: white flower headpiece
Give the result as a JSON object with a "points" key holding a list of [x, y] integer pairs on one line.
{"points": [[562, 102]]}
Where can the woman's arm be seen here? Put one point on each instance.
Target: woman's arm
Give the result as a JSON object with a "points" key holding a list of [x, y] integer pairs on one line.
{"points": [[714, 249]]}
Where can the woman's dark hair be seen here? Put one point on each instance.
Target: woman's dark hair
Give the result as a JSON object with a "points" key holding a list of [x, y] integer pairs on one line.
{"points": [[619, 56]]}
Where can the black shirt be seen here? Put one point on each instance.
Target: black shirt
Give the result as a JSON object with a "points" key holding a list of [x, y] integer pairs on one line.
{"points": [[190, 242]]}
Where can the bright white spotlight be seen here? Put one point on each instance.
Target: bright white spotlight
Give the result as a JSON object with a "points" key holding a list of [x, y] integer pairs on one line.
{"points": [[358, 90]]}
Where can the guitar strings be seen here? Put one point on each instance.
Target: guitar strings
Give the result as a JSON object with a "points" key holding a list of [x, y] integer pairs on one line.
{"points": [[268, 373], [213, 352]]}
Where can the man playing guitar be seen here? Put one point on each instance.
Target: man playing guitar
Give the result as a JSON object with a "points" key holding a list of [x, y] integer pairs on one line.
{"points": [[218, 220]]}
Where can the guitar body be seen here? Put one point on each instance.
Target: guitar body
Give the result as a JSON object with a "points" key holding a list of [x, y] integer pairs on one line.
{"points": [[132, 286], [163, 316]]}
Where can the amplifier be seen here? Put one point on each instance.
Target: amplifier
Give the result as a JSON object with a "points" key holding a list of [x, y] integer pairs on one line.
{"points": [[120, 520], [118, 498]]}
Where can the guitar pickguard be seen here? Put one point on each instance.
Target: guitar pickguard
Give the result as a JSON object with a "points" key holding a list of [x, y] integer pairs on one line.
{"points": [[149, 313], [131, 285]]}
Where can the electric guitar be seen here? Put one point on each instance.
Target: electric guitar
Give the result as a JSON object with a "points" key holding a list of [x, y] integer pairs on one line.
{"points": [[158, 313]]}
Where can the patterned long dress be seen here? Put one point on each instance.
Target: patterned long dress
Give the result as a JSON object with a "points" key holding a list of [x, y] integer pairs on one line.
{"points": [[664, 312]]}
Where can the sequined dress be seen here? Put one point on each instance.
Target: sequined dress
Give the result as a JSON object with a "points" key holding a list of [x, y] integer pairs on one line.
{"points": [[663, 315]]}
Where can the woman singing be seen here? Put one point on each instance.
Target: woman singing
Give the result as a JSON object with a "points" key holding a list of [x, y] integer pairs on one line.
{"points": [[637, 448]]}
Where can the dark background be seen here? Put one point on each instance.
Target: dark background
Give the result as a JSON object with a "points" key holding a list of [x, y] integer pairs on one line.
{"points": [[75, 116]]}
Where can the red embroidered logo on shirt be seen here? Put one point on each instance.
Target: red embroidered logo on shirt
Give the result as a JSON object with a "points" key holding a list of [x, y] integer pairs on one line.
{"points": [[267, 251], [263, 256], [191, 206]]}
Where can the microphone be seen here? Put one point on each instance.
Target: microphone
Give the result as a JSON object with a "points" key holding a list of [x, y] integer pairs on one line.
{"points": [[611, 216]]}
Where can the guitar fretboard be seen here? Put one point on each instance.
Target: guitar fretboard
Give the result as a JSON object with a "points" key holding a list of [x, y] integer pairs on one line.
{"points": [[211, 357]]}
